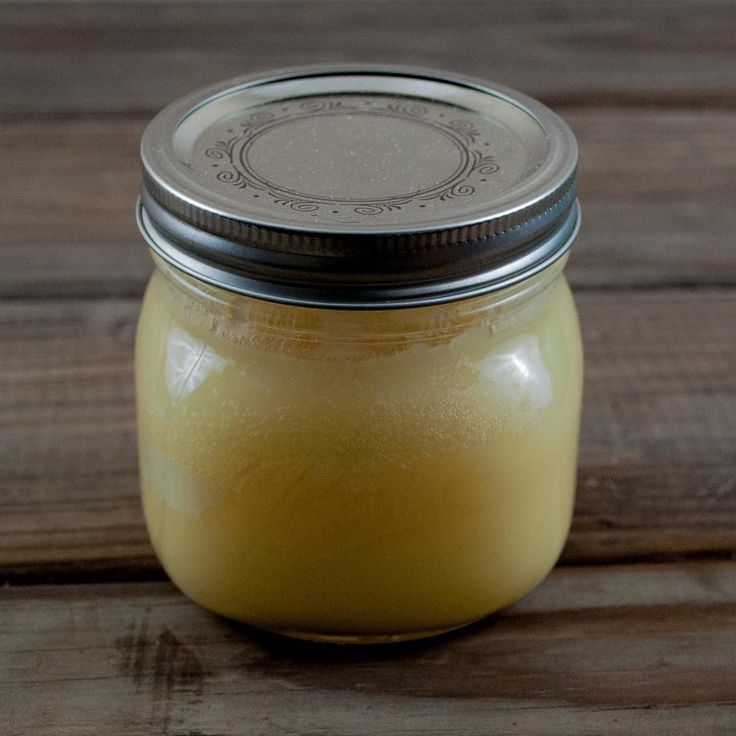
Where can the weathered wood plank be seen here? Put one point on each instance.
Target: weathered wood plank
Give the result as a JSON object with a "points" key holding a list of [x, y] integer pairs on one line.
{"points": [[591, 651], [657, 461], [657, 190], [113, 57]]}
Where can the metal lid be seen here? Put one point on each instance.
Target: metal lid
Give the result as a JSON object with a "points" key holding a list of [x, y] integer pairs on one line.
{"points": [[358, 187]]}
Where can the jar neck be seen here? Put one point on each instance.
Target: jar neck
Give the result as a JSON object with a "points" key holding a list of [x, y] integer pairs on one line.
{"points": [[241, 315]]}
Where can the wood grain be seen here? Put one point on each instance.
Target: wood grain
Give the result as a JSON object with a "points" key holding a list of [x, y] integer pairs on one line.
{"points": [[657, 190], [591, 651], [658, 446], [66, 58], [650, 90]]}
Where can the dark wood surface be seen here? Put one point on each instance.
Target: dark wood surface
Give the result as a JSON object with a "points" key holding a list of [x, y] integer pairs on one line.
{"points": [[634, 632], [98, 58], [632, 650]]}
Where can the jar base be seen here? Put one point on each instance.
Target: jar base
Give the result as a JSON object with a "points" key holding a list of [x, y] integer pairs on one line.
{"points": [[367, 639]]}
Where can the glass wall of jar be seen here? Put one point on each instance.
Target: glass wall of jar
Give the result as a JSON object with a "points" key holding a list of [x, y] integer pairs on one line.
{"points": [[357, 475]]}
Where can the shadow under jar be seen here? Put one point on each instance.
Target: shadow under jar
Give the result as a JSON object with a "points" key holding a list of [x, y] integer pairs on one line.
{"points": [[358, 363]]}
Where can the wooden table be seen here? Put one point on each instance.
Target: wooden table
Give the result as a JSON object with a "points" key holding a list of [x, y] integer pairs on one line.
{"points": [[635, 632]]}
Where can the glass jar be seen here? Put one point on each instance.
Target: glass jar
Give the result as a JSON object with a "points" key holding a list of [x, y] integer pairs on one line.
{"points": [[358, 408]]}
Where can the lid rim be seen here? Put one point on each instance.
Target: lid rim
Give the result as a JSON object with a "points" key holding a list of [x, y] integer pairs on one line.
{"points": [[431, 237], [349, 297]]}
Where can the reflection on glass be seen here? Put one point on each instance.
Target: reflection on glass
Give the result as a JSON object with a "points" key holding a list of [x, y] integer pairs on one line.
{"points": [[188, 363], [516, 371]]}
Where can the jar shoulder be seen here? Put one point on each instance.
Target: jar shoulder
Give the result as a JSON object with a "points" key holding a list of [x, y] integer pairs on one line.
{"points": [[182, 347]]}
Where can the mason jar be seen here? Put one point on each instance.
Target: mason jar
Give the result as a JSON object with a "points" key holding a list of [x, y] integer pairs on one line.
{"points": [[358, 362]]}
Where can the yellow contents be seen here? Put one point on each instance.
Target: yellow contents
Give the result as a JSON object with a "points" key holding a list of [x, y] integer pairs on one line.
{"points": [[330, 474]]}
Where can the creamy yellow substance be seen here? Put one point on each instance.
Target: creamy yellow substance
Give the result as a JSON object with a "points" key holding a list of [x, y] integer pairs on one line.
{"points": [[357, 474]]}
